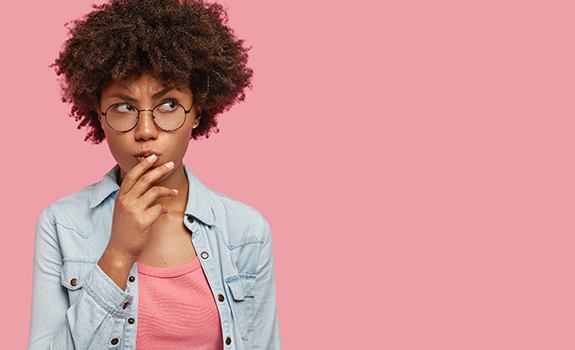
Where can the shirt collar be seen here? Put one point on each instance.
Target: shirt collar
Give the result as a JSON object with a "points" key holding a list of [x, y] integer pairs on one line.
{"points": [[198, 204]]}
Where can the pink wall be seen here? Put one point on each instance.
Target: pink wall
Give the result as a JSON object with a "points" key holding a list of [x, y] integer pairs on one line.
{"points": [[414, 158]]}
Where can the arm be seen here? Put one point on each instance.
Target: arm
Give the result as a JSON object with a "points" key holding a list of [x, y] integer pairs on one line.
{"points": [[266, 325], [91, 322]]}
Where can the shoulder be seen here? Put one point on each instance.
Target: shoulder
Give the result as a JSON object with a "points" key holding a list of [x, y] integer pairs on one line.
{"points": [[240, 222], [71, 211]]}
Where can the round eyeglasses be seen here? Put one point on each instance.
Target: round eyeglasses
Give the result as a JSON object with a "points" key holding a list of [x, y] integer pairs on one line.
{"points": [[168, 116]]}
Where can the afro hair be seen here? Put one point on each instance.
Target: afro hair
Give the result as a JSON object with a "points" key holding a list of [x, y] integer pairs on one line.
{"points": [[180, 42]]}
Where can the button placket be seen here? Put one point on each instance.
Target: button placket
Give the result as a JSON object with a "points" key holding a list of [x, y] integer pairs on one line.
{"points": [[117, 334], [223, 309], [132, 311]]}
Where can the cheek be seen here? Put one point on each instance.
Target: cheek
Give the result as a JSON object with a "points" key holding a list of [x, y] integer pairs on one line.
{"points": [[179, 145], [117, 148], [182, 143], [114, 149]]}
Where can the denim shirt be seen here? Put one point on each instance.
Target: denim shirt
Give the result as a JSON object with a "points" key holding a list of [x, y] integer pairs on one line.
{"points": [[75, 305]]}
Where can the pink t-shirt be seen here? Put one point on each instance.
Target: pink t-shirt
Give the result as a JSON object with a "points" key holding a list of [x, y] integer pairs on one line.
{"points": [[176, 309]]}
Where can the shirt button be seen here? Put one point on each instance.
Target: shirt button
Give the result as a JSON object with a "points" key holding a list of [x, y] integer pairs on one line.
{"points": [[131, 320], [74, 282], [228, 340], [131, 279], [204, 255], [115, 341], [125, 305], [190, 218], [220, 297]]}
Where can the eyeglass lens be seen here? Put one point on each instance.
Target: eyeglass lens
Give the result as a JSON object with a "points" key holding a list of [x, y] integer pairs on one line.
{"points": [[168, 116]]}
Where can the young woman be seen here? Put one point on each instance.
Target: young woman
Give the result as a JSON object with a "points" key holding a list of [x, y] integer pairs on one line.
{"points": [[149, 257]]}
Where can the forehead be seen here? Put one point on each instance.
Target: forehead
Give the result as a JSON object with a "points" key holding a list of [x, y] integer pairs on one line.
{"points": [[145, 83]]}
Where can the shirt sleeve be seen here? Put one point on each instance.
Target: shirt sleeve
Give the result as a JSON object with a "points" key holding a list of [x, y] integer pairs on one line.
{"points": [[94, 321], [266, 324]]}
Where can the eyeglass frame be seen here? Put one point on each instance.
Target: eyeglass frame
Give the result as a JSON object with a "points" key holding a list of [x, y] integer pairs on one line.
{"points": [[144, 110]]}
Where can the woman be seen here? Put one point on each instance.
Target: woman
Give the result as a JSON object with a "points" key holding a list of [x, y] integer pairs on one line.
{"points": [[149, 257]]}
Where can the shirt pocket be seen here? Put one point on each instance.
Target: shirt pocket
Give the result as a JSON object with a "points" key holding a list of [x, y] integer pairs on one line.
{"points": [[240, 287], [73, 276]]}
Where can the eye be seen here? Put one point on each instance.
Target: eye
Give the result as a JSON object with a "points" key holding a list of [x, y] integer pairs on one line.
{"points": [[168, 106], [124, 108]]}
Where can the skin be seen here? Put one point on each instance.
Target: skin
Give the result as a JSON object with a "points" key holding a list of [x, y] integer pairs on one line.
{"points": [[148, 217], [146, 135]]}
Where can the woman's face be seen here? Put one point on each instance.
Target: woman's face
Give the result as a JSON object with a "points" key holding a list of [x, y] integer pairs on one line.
{"points": [[146, 92]]}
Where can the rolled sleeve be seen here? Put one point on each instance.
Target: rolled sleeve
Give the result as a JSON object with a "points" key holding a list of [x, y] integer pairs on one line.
{"points": [[106, 292], [91, 321]]}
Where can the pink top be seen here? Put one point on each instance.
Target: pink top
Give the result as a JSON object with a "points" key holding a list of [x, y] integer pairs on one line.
{"points": [[176, 309]]}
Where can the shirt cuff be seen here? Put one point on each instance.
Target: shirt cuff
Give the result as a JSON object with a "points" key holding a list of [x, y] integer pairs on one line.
{"points": [[106, 292]]}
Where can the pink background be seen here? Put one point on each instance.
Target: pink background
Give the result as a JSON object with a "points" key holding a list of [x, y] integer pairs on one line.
{"points": [[414, 159]]}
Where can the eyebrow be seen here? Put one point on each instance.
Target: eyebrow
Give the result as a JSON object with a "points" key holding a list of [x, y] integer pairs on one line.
{"points": [[155, 96]]}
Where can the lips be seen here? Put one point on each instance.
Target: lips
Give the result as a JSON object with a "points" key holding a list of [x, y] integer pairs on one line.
{"points": [[143, 155]]}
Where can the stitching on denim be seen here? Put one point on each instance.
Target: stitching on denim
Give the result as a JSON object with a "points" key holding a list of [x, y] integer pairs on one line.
{"points": [[69, 228], [112, 310], [80, 260], [232, 247]]}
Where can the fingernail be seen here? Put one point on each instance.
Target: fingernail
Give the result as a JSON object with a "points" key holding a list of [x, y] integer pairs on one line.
{"points": [[169, 164], [151, 158], [175, 191]]}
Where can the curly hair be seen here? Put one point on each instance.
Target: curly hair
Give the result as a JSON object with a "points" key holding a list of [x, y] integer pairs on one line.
{"points": [[180, 42]]}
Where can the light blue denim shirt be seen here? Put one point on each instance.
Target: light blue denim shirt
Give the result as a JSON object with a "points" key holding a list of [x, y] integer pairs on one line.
{"points": [[75, 305]]}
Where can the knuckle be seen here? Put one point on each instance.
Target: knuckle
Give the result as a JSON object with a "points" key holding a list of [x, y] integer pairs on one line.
{"points": [[158, 191], [146, 178], [131, 210], [156, 209], [121, 201], [140, 221]]}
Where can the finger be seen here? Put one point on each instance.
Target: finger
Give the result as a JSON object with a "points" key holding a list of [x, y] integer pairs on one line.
{"points": [[155, 211], [154, 193], [149, 178], [134, 174]]}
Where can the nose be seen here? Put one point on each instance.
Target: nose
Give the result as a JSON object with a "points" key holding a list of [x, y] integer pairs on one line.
{"points": [[145, 129]]}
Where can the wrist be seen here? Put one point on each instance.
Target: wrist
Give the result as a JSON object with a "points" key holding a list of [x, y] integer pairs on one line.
{"points": [[116, 259]]}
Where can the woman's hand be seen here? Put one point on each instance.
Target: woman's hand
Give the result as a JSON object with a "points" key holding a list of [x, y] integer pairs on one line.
{"points": [[133, 213]]}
